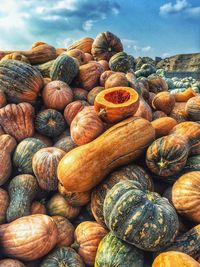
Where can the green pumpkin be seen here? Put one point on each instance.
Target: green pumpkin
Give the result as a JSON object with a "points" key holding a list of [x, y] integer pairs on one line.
{"points": [[22, 158], [20, 81], [120, 62], [62, 257], [50, 122], [114, 252], [45, 68], [65, 143], [22, 190], [140, 217], [64, 68]]}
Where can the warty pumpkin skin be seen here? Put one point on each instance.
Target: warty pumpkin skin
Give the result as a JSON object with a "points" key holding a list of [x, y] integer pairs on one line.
{"points": [[130, 172], [4, 202], [44, 163], [7, 146], [11, 263], [192, 108], [84, 167], [17, 120], [186, 195], [163, 101], [174, 259], [154, 222], [112, 251], [78, 54], [87, 238], [163, 126], [84, 44], [72, 110], [105, 45], [28, 238], [20, 81]]}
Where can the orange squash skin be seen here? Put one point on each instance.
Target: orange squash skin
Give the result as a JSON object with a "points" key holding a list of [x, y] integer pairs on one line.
{"points": [[163, 125]]}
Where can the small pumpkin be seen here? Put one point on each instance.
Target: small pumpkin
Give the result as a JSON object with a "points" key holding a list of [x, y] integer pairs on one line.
{"points": [[72, 110], [44, 163], [84, 44], [78, 54], [57, 95], [192, 108], [11, 263], [116, 79], [120, 62], [164, 101], [86, 126], [50, 122], [79, 94], [163, 126], [117, 103], [178, 112], [184, 96], [144, 110], [93, 93], [4, 202], [38, 208], [157, 84], [66, 144], [16, 56], [87, 238], [105, 45], [104, 76], [104, 64]]}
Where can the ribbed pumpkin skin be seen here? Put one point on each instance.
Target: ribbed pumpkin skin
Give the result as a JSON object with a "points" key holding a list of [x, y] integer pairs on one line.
{"points": [[78, 54], [64, 68], [192, 108], [178, 112], [154, 222], [119, 62], [4, 202], [87, 237], [186, 195], [17, 120], [66, 257], [38, 208], [11, 263], [28, 238], [157, 84], [163, 101], [130, 172], [79, 94], [104, 76], [44, 164], [174, 259], [65, 143], [72, 110], [24, 152], [188, 243], [116, 79], [163, 126], [22, 190], [114, 252], [50, 122], [84, 44], [93, 93], [20, 81]]}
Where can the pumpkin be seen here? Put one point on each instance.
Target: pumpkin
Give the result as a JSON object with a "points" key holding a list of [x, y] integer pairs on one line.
{"points": [[117, 103], [120, 62], [144, 110], [64, 68], [44, 163], [17, 120], [38, 208], [20, 81], [62, 135], [139, 217], [192, 108], [130, 172], [4, 202], [174, 259], [88, 57], [22, 158], [104, 64], [178, 112], [105, 45], [65, 231], [72, 110], [29, 237], [184, 96], [116, 79], [86, 166], [3, 100], [86, 126], [158, 114], [150, 99], [157, 84], [11, 263], [16, 56], [66, 144], [22, 190], [186, 194], [59, 206], [112, 251], [84, 44], [163, 126], [75, 199], [46, 140], [87, 238], [57, 95], [163, 101], [79, 94], [78, 54], [104, 76], [89, 74], [93, 93], [50, 122], [45, 69], [7, 146]]}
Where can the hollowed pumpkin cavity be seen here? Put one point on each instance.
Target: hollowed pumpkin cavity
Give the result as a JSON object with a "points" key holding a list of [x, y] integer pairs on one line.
{"points": [[117, 97]]}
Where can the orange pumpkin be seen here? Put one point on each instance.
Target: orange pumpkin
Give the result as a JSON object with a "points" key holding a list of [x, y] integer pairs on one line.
{"points": [[72, 110], [192, 108], [79, 94], [104, 64], [3, 100], [116, 79], [78, 54], [158, 114], [144, 110], [88, 57], [163, 126], [104, 76], [84, 44], [93, 93], [157, 84], [184, 96], [4, 202], [178, 112], [163, 101], [11, 263], [38, 208]]}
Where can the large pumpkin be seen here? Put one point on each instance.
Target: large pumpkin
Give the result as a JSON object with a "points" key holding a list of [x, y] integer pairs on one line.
{"points": [[84, 44], [192, 108], [164, 101], [120, 62], [157, 84]]}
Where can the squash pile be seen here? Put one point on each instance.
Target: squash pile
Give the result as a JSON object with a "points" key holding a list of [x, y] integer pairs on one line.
{"points": [[99, 162]]}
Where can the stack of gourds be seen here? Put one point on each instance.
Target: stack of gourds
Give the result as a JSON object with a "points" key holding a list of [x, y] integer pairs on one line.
{"points": [[98, 168]]}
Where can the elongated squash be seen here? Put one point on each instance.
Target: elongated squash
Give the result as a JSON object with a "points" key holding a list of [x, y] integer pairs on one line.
{"points": [[84, 167]]}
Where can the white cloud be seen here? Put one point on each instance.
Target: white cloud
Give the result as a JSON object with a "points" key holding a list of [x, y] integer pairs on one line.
{"points": [[179, 6], [194, 11], [135, 46], [115, 11], [146, 48], [87, 25]]}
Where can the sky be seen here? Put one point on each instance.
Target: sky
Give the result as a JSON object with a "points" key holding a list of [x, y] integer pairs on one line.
{"points": [[146, 27]]}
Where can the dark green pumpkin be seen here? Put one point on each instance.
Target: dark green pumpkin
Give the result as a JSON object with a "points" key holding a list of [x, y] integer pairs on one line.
{"points": [[114, 252], [139, 217], [22, 158], [45, 68], [120, 62], [22, 190], [130, 172], [50, 122], [62, 257], [65, 143], [64, 68], [20, 81]]}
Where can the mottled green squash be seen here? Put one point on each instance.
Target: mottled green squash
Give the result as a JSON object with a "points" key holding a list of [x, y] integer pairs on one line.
{"points": [[45, 68], [120, 62], [20, 81], [62, 257], [64, 68], [65, 143], [24, 152], [114, 252], [141, 218], [22, 190]]}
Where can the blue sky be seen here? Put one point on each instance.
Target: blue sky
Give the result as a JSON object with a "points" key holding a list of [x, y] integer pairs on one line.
{"points": [[146, 27]]}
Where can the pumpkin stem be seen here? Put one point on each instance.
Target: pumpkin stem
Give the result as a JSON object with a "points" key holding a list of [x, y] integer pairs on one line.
{"points": [[75, 246], [162, 164]]}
